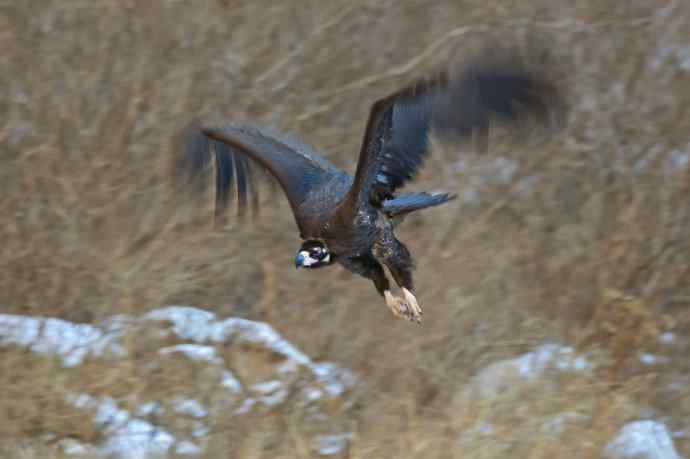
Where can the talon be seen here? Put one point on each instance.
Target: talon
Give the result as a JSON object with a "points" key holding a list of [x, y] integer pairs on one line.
{"points": [[404, 307], [415, 310]]}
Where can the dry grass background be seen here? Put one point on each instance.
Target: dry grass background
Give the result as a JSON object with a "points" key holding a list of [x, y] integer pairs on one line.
{"points": [[95, 94]]}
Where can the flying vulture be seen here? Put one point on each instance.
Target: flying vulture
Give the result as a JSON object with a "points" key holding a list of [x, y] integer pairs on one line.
{"points": [[350, 219]]}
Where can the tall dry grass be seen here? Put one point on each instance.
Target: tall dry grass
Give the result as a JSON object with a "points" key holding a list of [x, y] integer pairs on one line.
{"points": [[95, 95]]}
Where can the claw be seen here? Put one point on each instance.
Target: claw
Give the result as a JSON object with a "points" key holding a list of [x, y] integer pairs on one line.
{"points": [[404, 307], [414, 305]]}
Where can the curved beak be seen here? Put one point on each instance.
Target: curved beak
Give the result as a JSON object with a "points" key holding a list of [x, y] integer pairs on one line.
{"points": [[299, 260]]}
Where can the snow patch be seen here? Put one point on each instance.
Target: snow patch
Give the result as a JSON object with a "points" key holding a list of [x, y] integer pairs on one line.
{"points": [[648, 359], [246, 406], [187, 448], [137, 440], [135, 435], [72, 447], [191, 408], [149, 409], [203, 327], [652, 359], [312, 394], [512, 374], [194, 352], [534, 364], [667, 338], [125, 437], [646, 439], [73, 343], [108, 415], [231, 382], [330, 445], [335, 380], [272, 392], [678, 160]]}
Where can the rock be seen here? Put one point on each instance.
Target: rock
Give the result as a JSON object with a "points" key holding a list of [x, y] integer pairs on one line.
{"points": [[242, 366], [646, 439]]}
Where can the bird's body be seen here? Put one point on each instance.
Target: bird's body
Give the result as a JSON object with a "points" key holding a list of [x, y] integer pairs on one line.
{"points": [[350, 219]]}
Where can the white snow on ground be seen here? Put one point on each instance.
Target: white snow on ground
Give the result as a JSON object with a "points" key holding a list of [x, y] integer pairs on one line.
{"points": [[335, 380], [667, 338], [646, 439], [149, 409], [203, 327], [128, 435], [191, 408], [137, 439], [125, 436], [678, 160], [187, 448], [563, 358], [511, 374], [273, 392], [134, 435], [652, 359], [231, 382], [330, 445], [71, 342], [647, 358], [194, 352]]}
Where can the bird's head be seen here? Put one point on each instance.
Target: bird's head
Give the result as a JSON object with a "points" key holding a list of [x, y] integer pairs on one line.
{"points": [[312, 254]]}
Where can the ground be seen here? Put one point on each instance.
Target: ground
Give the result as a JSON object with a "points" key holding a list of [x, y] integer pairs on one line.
{"points": [[579, 238]]}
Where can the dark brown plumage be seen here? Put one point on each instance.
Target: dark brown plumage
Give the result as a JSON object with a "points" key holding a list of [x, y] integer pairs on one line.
{"points": [[350, 219]]}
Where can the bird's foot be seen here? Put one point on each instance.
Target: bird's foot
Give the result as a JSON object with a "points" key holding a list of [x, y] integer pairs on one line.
{"points": [[412, 303], [406, 307]]}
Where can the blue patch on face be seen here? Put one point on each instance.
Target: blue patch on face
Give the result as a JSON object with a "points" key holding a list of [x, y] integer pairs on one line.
{"points": [[299, 260]]}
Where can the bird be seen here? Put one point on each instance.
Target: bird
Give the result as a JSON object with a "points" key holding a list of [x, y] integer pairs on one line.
{"points": [[349, 219]]}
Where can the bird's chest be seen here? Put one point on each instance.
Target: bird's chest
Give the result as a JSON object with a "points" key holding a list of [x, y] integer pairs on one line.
{"points": [[356, 237]]}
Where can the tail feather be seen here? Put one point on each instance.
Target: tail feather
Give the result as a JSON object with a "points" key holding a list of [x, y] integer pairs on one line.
{"points": [[410, 202]]}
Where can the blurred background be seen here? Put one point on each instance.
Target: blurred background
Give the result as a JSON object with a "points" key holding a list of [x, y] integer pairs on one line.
{"points": [[556, 287]]}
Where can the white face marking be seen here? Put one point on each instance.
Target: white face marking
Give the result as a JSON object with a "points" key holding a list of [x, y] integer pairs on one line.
{"points": [[308, 260]]}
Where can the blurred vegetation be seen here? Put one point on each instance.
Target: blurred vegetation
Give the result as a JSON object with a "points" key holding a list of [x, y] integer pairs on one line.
{"points": [[584, 242]]}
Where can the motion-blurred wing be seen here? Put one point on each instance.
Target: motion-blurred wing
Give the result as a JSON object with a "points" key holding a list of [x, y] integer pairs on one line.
{"points": [[297, 167], [396, 137]]}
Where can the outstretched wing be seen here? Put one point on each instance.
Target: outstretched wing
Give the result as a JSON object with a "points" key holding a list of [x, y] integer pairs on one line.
{"points": [[297, 167], [461, 106]]}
